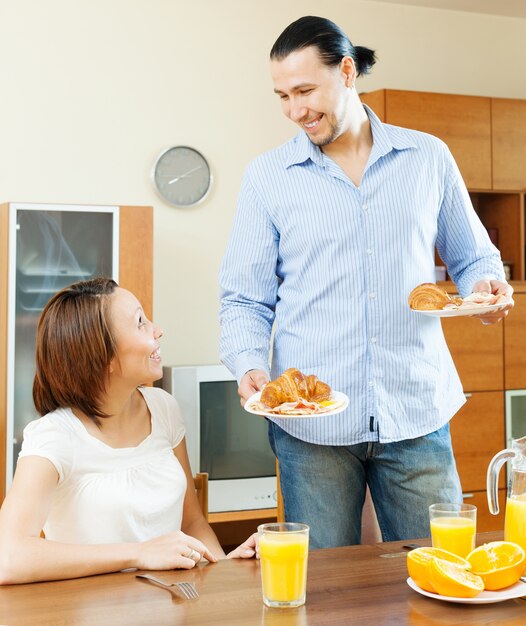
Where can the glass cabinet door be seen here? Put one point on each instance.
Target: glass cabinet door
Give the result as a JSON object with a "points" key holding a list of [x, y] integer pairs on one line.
{"points": [[54, 247]]}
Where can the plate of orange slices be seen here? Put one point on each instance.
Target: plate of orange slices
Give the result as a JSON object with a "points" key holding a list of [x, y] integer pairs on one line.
{"points": [[490, 573]]}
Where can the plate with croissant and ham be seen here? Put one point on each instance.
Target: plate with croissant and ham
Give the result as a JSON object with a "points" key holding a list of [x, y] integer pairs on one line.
{"points": [[293, 394], [430, 299]]}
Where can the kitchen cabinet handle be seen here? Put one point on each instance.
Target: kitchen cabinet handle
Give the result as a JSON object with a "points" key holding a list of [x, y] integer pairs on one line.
{"points": [[467, 496]]}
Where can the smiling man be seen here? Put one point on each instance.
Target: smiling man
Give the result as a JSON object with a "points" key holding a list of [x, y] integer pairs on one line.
{"points": [[333, 231]]}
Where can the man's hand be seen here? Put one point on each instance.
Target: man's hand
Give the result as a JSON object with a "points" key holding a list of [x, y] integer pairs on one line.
{"points": [[252, 381], [495, 287]]}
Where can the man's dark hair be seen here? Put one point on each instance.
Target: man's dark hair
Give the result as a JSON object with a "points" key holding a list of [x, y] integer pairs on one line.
{"points": [[329, 39]]}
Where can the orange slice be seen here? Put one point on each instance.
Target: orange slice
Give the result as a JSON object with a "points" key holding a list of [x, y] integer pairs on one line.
{"points": [[499, 563], [454, 580], [418, 564]]}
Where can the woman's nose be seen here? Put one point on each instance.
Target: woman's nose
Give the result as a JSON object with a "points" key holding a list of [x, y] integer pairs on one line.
{"points": [[158, 332]]}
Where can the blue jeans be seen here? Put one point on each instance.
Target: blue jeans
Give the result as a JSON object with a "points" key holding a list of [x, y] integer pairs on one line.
{"points": [[324, 486]]}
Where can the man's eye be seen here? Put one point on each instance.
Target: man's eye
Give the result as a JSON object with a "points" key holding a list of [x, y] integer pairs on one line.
{"points": [[306, 92]]}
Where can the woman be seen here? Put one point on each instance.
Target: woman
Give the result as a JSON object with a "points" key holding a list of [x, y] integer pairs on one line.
{"points": [[104, 472]]}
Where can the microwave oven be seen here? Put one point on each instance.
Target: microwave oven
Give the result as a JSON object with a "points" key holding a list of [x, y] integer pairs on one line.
{"points": [[223, 439]]}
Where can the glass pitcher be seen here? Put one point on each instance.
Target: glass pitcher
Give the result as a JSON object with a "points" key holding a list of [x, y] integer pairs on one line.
{"points": [[515, 523]]}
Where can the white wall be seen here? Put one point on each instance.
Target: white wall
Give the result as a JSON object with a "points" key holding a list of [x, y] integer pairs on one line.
{"points": [[93, 90]]}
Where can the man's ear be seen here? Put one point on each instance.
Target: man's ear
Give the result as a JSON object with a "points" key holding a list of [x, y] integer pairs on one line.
{"points": [[348, 71]]}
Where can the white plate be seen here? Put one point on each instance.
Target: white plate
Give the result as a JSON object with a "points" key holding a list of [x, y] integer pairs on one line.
{"points": [[476, 309], [340, 398], [486, 597]]}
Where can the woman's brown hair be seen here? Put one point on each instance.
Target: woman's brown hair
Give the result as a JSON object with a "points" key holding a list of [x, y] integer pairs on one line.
{"points": [[74, 347]]}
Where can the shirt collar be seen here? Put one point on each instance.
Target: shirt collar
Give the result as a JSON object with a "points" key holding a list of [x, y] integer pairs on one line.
{"points": [[385, 139]]}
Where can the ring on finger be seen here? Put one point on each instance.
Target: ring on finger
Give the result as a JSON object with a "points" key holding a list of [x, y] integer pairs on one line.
{"points": [[194, 554]]}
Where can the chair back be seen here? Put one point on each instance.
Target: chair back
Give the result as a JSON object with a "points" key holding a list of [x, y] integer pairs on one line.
{"points": [[201, 491]]}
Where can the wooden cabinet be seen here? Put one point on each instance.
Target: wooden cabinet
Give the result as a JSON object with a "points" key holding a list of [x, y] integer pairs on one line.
{"points": [[42, 249], [515, 345], [508, 134], [463, 122], [486, 522], [487, 137], [477, 351], [478, 433]]}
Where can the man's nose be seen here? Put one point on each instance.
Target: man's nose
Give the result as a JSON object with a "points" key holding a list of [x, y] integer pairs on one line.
{"points": [[297, 111]]}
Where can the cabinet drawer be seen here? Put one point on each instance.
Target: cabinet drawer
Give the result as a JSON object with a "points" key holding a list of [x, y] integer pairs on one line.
{"points": [[477, 351], [478, 433], [486, 522]]}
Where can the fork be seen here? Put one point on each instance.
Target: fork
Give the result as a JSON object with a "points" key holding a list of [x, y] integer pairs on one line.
{"points": [[187, 589]]}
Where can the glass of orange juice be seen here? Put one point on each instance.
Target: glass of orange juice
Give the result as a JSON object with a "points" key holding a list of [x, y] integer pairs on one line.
{"points": [[283, 552], [453, 527]]}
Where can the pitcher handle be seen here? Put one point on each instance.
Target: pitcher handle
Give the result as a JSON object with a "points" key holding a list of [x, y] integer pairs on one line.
{"points": [[492, 479]]}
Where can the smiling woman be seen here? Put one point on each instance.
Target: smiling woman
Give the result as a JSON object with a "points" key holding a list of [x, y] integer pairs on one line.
{"points": [[104, 471]]}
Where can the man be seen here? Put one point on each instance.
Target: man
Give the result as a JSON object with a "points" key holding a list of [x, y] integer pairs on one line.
{"points": [[333, 231]]}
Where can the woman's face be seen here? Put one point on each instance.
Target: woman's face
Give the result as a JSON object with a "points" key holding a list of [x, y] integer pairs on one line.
{"points": [[138, 357]]}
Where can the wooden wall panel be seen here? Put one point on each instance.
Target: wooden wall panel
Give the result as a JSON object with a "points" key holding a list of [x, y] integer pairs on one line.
{"points": [[136, 254]]}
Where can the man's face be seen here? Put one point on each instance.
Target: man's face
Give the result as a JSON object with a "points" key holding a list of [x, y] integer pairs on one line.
{"points": [[313, 95]]}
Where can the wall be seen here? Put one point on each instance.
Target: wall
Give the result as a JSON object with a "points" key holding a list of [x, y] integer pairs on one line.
{"points": [[93, 90]]}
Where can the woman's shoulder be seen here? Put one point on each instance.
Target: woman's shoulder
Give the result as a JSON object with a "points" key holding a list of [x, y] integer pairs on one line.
{"points": [[56, 424], [165, 412]]}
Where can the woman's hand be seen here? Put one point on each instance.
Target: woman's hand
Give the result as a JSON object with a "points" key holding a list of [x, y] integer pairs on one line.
{"points": [[174, 550], [246, 550]]}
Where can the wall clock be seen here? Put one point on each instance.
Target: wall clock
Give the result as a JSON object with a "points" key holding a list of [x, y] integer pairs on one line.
{"points": [[182, 176]]}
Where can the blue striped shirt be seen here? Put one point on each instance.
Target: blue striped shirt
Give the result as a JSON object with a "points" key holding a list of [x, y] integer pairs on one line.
{"points": [[332, 265]]}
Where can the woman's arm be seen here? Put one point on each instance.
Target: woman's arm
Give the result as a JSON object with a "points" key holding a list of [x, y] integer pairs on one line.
{"points": [[194, 522], [26, 557]]}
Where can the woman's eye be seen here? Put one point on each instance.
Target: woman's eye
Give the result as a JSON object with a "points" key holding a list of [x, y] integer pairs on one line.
{"points": [[142, 321]]}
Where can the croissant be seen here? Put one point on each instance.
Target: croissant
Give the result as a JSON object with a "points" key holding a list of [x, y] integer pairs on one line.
{"points": [[430, 297], [291, 386]]}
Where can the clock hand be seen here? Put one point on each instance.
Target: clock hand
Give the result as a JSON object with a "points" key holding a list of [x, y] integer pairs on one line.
{"points": [[174, 180]]}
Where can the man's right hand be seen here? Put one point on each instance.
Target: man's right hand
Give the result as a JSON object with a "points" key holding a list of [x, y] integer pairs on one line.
{"points": [[252, 381]]}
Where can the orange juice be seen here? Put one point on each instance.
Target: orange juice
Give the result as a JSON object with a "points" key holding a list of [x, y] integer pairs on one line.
{"points": [[284, 567], [515, 524], [454, 534]]}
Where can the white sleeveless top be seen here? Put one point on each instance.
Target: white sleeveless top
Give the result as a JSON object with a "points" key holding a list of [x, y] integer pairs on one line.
{"points": [[112, 495]]}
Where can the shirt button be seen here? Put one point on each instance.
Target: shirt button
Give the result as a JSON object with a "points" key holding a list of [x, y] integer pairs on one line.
{"points": [[369, 251], [373, 339], [372, 295], [371, 383], [365, 207]]}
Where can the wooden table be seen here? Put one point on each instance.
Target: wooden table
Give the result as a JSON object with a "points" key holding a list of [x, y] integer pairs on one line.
{"points": [[352, 585]]}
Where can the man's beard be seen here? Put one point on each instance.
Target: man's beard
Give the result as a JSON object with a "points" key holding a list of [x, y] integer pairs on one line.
{"points": [[332, 134]]}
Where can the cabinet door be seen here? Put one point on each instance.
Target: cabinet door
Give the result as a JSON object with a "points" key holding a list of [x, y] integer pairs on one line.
{"points": [[478, 433], [508, 118], [515, 344], [486, 522], [477, 351], [463, 122]]}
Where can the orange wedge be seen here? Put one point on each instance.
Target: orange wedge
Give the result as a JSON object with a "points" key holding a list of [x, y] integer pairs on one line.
{"points": [[499, 563], [454, 580], [418, 564]]}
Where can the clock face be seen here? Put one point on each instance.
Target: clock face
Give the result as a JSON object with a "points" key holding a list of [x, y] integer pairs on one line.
{"points": [[182, 176]]}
